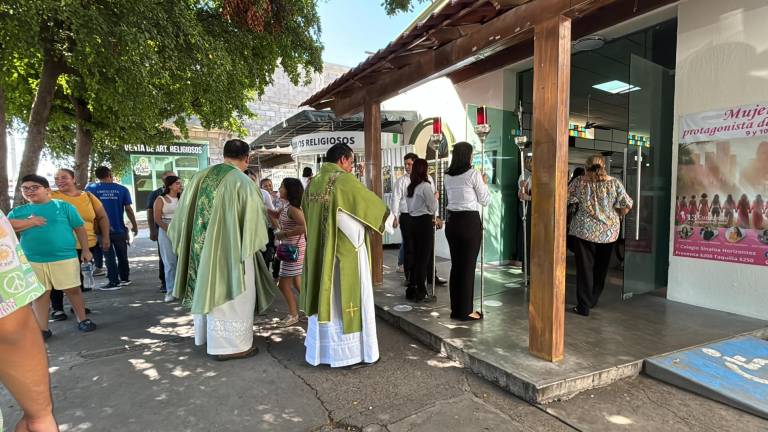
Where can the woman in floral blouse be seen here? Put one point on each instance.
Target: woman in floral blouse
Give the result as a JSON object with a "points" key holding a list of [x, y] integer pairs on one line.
{"points": [[602, 202]]}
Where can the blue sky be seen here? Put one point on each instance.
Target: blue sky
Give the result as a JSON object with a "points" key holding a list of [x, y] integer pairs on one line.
{"points": [[352, 27]]}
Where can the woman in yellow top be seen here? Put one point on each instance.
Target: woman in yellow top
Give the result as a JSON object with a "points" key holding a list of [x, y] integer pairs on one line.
{"points": [[90, 209]]}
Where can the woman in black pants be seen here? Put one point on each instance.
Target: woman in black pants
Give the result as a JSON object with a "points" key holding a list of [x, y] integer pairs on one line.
{"points": [[465, 191], [602, 202], [422, 205]]}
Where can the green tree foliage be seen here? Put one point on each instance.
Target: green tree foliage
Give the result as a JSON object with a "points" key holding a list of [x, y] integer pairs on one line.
{"points": [[133, 65], [394, 7]]}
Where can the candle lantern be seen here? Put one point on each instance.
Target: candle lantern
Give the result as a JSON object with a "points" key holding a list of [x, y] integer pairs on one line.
{"points": [[434, 143], [482, 129]]}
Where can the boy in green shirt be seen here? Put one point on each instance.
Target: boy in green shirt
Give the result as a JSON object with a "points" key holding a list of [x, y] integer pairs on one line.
{"points": [[46, 228]]}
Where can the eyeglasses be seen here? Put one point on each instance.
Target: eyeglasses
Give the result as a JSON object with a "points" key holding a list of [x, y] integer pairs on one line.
{"points": [[30, 188]]}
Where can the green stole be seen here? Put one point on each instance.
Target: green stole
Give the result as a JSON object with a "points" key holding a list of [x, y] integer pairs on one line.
{"points": [[203, 203], [334, 190]]}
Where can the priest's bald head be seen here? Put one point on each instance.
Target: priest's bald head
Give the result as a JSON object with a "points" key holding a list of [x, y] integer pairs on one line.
{"points": [[342, 155]]}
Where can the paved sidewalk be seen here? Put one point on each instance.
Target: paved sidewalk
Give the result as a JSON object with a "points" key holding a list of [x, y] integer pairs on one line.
{"points": [[140, 371]]}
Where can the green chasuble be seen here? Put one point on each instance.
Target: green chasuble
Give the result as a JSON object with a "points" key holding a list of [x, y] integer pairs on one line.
{"points": [[334, 189], [219, 223]]}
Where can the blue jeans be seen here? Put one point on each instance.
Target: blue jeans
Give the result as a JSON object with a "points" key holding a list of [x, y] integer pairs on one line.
{"points": [[169, 259], [116, 258]]}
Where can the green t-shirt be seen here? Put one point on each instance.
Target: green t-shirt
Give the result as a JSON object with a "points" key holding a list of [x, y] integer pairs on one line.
{"points": [[54, 241], [18, 284]]}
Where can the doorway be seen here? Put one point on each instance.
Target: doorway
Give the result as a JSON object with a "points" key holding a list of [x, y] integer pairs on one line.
{"points": [[621, 106]]}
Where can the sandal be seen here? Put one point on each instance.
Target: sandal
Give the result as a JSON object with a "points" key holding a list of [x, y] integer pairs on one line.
{"points": [[288, 321], [243, 355]]}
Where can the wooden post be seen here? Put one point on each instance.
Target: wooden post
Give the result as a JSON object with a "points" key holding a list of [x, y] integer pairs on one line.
{"points": [[551, 87], [372, 125]]}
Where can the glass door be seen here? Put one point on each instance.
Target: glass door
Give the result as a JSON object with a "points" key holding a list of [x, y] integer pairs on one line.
{"points": [[648, 176]]}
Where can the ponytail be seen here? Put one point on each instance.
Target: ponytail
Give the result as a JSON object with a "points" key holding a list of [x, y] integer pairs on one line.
{"points": [[595, 166]]}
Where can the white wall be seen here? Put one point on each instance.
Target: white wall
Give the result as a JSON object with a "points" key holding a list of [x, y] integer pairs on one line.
{"points": [[722, 61], [440, 98]]}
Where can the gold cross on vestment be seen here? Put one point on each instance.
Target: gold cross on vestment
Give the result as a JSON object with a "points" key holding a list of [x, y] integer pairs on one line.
{"points": [[352, 310]]}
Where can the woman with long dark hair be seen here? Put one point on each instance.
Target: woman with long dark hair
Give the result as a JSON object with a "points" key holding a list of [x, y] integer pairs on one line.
{"points": [[602, 203], [292, 230], [466, 192], [163, 210], [422, 206]]}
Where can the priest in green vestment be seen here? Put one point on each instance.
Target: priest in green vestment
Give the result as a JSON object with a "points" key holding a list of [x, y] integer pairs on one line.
{"points": [[337, 291], [217, 231]]}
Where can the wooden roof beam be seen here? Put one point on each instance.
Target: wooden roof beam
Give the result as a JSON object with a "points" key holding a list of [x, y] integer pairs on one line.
{"points": [[505, 30], [506, 4]]}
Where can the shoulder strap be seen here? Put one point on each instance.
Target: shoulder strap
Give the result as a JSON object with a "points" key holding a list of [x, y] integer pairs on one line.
{"points": [[91, 197]]}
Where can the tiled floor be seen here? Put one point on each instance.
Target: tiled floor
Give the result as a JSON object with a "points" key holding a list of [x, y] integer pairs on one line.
{"points": [[609, 345]]}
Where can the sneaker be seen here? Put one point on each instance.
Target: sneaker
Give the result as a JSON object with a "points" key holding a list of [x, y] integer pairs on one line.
{"points": [[47, 334], [169, 298], [400, 269], [288, 321], [58, 315], [86, 326], [110, 287], [100, 272], [124, 283]]}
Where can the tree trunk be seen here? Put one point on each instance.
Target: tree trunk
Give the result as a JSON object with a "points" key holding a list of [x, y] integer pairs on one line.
{"points": [[5, 202], [38, 121], [84, 141]]}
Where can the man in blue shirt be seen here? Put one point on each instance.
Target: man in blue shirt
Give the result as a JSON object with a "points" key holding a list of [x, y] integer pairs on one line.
{"points": [[116, 199]]}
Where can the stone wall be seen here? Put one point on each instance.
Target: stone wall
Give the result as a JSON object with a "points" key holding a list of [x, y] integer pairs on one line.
{"points": [[281, 99]]}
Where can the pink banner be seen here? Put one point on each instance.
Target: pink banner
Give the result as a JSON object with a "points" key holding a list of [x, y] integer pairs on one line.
{"points": [[721, 211], [743, 246]]}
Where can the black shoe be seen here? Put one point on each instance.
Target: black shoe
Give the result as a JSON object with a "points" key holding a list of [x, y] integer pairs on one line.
{"points": [[72, 311], [86, 326], [84, 289], [162, 289], [580, 311], [46, 334], [360, 365], [58, 315]]}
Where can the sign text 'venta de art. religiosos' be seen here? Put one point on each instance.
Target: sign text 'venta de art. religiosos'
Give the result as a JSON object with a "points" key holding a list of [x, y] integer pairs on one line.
{"points": [[173, 149]]}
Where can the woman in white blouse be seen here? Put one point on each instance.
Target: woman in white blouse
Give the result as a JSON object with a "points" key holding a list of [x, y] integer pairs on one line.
{"points": [[422, 206], [465, 191]]}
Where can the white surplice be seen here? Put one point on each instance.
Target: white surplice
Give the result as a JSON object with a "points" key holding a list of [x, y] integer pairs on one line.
{"points": [[326, 342], [228, 328]]}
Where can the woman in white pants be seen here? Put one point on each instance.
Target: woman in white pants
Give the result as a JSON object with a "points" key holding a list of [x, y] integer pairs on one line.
{"points": [[163, 210]]}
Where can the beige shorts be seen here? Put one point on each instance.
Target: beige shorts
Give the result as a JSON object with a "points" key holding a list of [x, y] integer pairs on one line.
{"points": [[59, 275]]}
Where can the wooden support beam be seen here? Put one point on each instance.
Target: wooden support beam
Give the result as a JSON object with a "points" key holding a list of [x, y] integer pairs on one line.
{"points": [[551, 87], [372, 134]]}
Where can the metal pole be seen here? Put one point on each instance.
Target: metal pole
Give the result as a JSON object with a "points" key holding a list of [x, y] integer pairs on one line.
{"points": [[435, 141], [525, 223], [482, 131], [482, 231]]}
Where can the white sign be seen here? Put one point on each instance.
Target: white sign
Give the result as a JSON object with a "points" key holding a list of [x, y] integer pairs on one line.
{"points": [[319, 143], [745, 121]]}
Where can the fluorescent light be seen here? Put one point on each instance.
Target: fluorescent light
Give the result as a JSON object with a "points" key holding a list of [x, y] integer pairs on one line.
{"points": [[616, 87]]}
